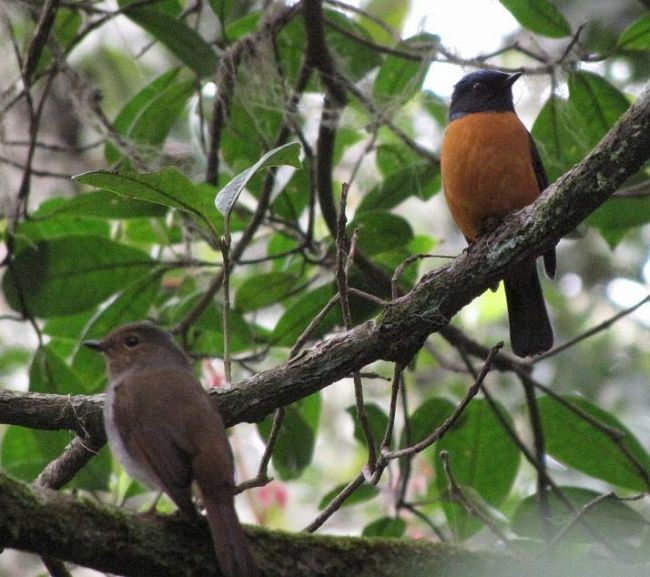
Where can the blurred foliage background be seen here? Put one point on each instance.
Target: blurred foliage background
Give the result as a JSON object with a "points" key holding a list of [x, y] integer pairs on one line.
{"points": [[158, 104]]}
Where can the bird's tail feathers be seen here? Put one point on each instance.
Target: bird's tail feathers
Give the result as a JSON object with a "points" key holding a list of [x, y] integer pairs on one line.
{"points": [[230, 542]]}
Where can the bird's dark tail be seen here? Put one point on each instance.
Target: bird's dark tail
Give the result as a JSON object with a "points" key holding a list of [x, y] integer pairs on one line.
{"points": [[230, 542], [530, 328]]}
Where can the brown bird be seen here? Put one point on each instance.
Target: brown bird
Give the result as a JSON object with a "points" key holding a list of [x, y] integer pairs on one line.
{"points": [[166, 433]]}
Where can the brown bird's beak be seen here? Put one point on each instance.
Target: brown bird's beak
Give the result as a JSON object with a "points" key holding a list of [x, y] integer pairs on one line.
{"points": [[512, 78], [94, 345]]}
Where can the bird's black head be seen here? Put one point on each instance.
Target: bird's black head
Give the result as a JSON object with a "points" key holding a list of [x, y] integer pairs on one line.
{"points": [[483, 91]]}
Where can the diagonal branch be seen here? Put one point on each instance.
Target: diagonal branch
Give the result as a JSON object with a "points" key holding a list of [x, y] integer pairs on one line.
{"points": [[401, 329]]}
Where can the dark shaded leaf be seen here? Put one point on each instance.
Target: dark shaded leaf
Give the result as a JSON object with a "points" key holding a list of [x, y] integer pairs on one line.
{"points": [[71, 274], [421, 180], [49, 373], [380, 231], [295, 444], [577, 443], [98, 203], [26, 452], [149, 116], [557, 136], [299, 314], [186, 44], [614, 519], [377, 419], [618, 215], [483, 460], [385, 527], [264, 290], [597, 104]]}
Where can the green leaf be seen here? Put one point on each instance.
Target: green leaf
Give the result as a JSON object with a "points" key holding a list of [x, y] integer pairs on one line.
{"points": [[150, 114], [391, 12], [98, 203], [539, 16], [264, 290], [483, 460], [186, 44], [618, 215], [130, 305], [577, 443], [287, 154], [399, 79], [49, 373], [613, 518], [385, 527], [244, 25], [168, 187], [222, 9], [355, 57], [363, 493], [30, 231], [435, 106], [66, 25], [636, 36], [381, 231], [295, 443], [71, 274], [26, 452], [377, 419], [298, 315], [597, 104], [207, 332], [426, 419], [558, 137], [420, 180], [169, 7]]}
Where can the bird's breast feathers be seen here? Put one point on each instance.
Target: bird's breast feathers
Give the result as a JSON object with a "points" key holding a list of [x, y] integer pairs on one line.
{"points": [[487, 168]]}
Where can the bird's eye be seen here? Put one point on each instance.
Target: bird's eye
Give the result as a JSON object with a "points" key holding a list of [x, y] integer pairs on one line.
{"points": [[131, 341], [477, 86]]}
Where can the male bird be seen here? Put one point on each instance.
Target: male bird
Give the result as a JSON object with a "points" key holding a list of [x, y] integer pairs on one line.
{"points": [[491, 167], [164, 430]]}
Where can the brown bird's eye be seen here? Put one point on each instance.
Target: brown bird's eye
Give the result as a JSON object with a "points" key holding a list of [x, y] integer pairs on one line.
{"points": [[131, 341], [477, 86]]}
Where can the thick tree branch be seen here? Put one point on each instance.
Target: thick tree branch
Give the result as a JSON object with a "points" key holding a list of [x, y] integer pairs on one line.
{"points": [[106, 539], [398, 332]]}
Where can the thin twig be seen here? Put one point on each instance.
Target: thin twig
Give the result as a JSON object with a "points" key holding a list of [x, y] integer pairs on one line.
{"points": [[592, 331], [453, 418], [336, 503], [262, 477], [313, 325], [420, 515], [458, 495], [343, 265]]}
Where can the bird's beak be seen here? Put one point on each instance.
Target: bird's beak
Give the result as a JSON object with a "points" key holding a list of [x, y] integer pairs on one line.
{"points": [[94, 345], [512, 78]]}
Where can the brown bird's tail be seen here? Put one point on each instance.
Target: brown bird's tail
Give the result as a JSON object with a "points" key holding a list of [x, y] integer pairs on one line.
{"points": [[230, 542], [530, 328]]}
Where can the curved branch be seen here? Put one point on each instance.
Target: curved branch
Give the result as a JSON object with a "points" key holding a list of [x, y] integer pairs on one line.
{"points": [[401, 329]]}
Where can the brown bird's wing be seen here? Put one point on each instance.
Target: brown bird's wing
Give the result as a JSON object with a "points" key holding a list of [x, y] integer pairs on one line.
{"points": [[156, 437]]}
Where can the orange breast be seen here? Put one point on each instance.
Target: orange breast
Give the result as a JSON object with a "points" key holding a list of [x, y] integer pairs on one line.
{"points": [[487, 170]]}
